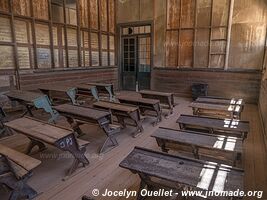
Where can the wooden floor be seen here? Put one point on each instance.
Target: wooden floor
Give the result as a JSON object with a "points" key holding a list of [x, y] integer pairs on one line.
{"points": [[104, 171]]}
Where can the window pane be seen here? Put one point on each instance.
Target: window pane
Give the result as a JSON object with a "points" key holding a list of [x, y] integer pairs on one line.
{"points": [[5, 30], [6, 57], [57, 11], [23, 31], [42, 34], [43, 58], [24, 57], [71, 13]]}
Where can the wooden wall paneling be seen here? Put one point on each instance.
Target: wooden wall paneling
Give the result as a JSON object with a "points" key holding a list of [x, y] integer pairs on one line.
{"points": [[6, 57], [4, 5], [103, 15], [211, 20], [79, 35], [173, 14], [40, 9], [111, 15], [89, 33], [5, 29], [94, 14], [203, 13], [186, 48], [248, 34], [220, 12], [21, 7], [64, 35], [51, 34], [221, 83], [171, 48], [57, 11], [83, 13], [108, 16], [95, 49], [99, 32], [71, 12], [187, 13], [202, 48]]}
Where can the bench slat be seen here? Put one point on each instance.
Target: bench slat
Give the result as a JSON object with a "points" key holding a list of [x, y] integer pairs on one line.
{"points": [[21, 159]]}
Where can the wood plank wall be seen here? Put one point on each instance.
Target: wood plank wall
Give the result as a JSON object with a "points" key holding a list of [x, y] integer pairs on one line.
{"points": [[108, 75], [221, 83], [263, 107]]}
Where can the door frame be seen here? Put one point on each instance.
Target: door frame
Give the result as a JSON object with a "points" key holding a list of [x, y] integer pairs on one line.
{"points": [[119, 43]]}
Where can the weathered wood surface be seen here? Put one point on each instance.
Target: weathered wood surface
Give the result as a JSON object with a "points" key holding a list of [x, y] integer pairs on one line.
{"points": [[85, 112], [56, 87], [26, 162], [22, 95], [221, 100], [232, 127], [40, 132], [144, 104], [115, 106], [123, 111], [163, 97], [216, 110], [181, 171], [221, 148]]}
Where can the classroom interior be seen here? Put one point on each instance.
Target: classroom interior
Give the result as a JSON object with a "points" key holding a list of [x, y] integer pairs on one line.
{"points": [[132, 95]]}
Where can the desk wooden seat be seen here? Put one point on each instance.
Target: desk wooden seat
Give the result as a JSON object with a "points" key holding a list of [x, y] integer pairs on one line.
{"points": [[77, 115], [161, 170], [163, 97], [2, 119], [229, 127], [221, 100], [84, 90], [216, 110], [16, 168], [69, 91], [220, 148], [144, 104], [122, 111], [31, 100], [105, 88], [40, 132]]}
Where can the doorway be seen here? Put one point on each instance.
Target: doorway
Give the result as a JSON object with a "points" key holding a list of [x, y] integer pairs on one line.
{"points": [[136, 59]]}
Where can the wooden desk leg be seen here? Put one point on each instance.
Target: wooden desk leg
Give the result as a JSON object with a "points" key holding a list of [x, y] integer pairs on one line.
{"points": [[69, 143], [121, 121], [75, 126], [195, 151], [19, 188], [162, 144], [33, 143], [110, 92], [110, 137], [158, 112], [135, 116]]}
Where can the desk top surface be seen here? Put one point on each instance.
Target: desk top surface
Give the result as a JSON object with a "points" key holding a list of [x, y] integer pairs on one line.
{"points": [[183, 170]]}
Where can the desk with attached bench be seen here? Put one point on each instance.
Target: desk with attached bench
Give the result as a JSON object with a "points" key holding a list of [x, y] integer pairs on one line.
{"points": [[31, 100], [40, 132], [69, 91], [144, 105], [164, 98], [220, 148], [228, 127], [179, 173], [16, 168], [106, 88], [122, 111], [216, 110], [78, 115]]}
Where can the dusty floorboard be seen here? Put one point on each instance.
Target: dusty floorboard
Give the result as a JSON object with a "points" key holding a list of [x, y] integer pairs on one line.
{"points": [[104, 173]]}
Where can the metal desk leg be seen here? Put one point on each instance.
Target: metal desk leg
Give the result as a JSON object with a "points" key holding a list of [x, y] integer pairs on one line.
{"points": [[20, 188], [69, 143], [111, 93], [158, 112], [135, 116], [95, 93], [75, 126], [104, 124], [34, 143], [72, 95], [44, 103]]}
